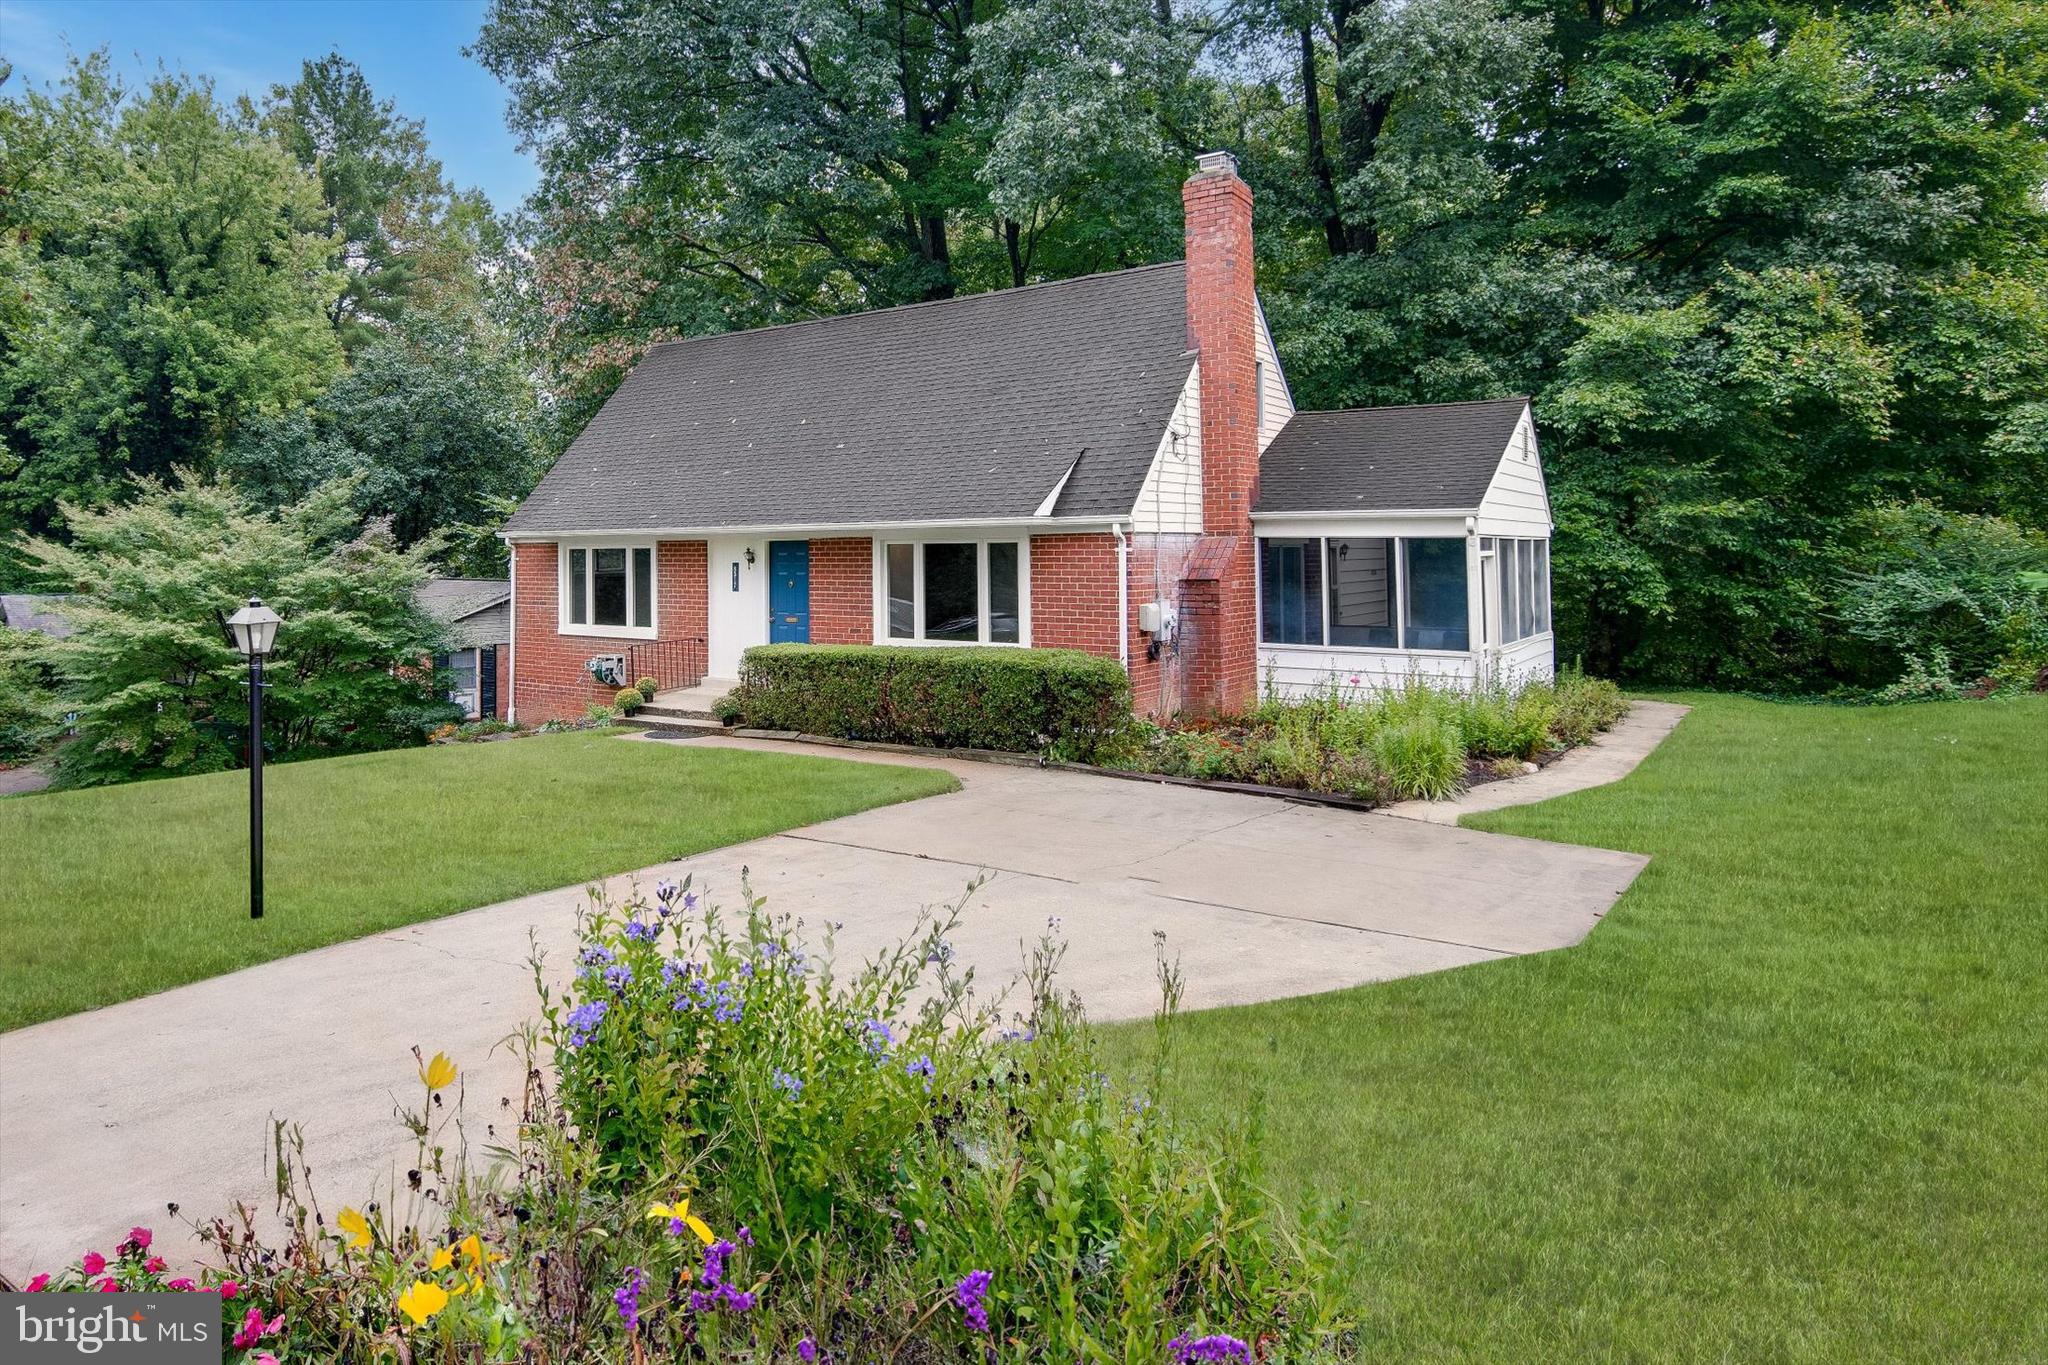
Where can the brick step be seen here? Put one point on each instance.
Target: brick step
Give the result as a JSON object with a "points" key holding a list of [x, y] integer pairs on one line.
{"points": [[674, 711], [677, 726]]}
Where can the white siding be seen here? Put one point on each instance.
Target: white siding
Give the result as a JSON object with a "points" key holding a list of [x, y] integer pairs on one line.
{"points": [[1530, 660], [1170, 503], [1517, 503], [1309, 670], [1279, 403]]}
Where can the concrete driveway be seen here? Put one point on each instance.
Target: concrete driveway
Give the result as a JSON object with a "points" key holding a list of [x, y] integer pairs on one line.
{"points": [[107, 1115]]}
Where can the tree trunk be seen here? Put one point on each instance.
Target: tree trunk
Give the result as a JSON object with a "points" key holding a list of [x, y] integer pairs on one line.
{"points": [[1013, 243], [1318, 154], [1359, 121]]}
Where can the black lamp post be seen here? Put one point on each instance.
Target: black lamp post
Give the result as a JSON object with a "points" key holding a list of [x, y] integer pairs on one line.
{"points": [[255, 631]]}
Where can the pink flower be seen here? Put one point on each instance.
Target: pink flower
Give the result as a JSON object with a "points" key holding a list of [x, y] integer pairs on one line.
{"points": [[139, 1238], [156, 1265], [264, 1358], [93, 1263], [182, 1285], [110, 1285], [229, 1288], [254, 1328], [38, 1284]]}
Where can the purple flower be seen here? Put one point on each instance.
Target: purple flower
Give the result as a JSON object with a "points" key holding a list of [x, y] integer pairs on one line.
{"points": [[664, 892], [1187, 1348], [618, 978], [677, 969], [921, 1067], [807, 1351], [786, 1082], [1019, 1035], [878, 1039], [642, 930], [627, 1297], [715, 1257], [745, 1235], [971, 1295], [583, 1021], [596, 955]]}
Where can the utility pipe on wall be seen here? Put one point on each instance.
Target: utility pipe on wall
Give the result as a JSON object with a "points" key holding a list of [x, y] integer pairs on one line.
{"points": [[1123, 596]]}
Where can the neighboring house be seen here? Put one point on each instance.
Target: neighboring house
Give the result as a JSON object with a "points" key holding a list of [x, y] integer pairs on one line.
{"points": [[39, 612], [476, 614], [1111, 463]]}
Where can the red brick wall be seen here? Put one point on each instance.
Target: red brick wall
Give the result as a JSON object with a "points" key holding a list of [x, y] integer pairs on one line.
{"points": [[1073, 604], [550, 682], [1223, 327], [842, 591]]}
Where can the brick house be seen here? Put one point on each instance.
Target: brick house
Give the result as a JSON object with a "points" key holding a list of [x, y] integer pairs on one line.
{"points": [[1111, 463]]}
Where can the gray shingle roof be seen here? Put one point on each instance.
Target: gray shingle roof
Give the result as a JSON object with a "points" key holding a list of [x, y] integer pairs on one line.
{"points": [[965, 409], [1428, 456], [451, 599], [36, 611]]}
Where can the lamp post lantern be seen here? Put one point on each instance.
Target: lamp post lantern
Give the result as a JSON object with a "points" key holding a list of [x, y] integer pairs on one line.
{"points": [[255, 631]]}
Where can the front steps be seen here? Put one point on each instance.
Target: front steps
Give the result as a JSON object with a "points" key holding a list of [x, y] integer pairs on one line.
{"points": [[685, 712]]}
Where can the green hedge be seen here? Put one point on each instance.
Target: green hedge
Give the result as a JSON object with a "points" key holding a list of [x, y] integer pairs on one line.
{"points": [[1021, 700]]}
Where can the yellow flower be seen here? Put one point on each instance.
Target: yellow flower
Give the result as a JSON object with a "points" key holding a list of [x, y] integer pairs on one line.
{"points": [[443, 1258], [438, 1072], [354, 1227], [422, 1301], [679, 1212], [472, 1250]]}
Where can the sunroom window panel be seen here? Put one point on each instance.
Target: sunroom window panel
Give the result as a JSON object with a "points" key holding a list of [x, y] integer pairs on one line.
{"points": [[1291, 592], [1005, 621], [1542, 587], [902, 588], [1510, 592], [643, 587], [1362, 592], [1526, 596], [579, 587], [1437, 615], [952, 606]]}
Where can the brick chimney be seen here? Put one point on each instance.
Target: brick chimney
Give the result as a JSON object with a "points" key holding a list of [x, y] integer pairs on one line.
{"points": [[1223, 328]]}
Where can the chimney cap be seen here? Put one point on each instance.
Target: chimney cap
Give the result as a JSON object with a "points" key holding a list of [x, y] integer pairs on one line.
{"points": [[1215, 163]]}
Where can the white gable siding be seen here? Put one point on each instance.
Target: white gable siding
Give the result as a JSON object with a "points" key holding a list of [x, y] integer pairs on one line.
{"points": [[1279, 404], [1517, 503], [1171, 501]]}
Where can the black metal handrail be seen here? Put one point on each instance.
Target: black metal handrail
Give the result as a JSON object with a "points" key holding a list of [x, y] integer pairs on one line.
{"points": [[671, 663]]}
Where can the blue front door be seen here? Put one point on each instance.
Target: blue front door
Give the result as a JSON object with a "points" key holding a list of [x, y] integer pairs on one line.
{"points": [[789, 592]]}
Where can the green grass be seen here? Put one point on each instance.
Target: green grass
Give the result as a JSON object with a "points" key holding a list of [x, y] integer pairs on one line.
{"points": [[115, 892], [1788, 1102]]}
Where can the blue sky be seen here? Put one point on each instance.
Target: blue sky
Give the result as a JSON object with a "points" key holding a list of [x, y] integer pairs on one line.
{"points": [[410, 51]]}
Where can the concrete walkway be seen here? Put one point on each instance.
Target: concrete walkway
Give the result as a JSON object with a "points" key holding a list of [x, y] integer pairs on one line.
{"points": [[1609, 758], [107, 1115]]}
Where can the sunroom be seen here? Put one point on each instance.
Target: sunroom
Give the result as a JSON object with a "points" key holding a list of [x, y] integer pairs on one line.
{"points": [[1403, 543]]}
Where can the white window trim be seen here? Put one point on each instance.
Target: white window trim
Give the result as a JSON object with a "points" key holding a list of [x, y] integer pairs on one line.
{"points": [[1400, 599], [981, 544], [564, 626]]}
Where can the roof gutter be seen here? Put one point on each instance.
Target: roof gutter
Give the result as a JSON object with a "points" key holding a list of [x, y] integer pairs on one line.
{"points": [[1367, 512], [1048, 525]]}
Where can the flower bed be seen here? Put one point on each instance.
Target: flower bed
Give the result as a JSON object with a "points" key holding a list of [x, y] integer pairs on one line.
{"points": [[748, 1154], [1419, 741]]}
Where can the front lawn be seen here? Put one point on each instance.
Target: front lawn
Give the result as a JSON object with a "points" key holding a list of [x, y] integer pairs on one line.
{"points": [[116, 892], [1788, 1102]]}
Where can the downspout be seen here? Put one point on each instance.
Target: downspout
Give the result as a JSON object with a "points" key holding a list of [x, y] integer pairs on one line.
{"points": [[1123, 596], [512, 637]]}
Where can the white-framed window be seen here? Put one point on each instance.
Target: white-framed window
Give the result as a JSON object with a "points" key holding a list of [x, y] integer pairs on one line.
{"points": [[608, 590], [948, 591], [462, 671], [1407, 593], [1522, 569]]}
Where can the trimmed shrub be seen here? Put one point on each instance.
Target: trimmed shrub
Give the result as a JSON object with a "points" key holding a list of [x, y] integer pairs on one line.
{"points": [[1020, 700]]}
